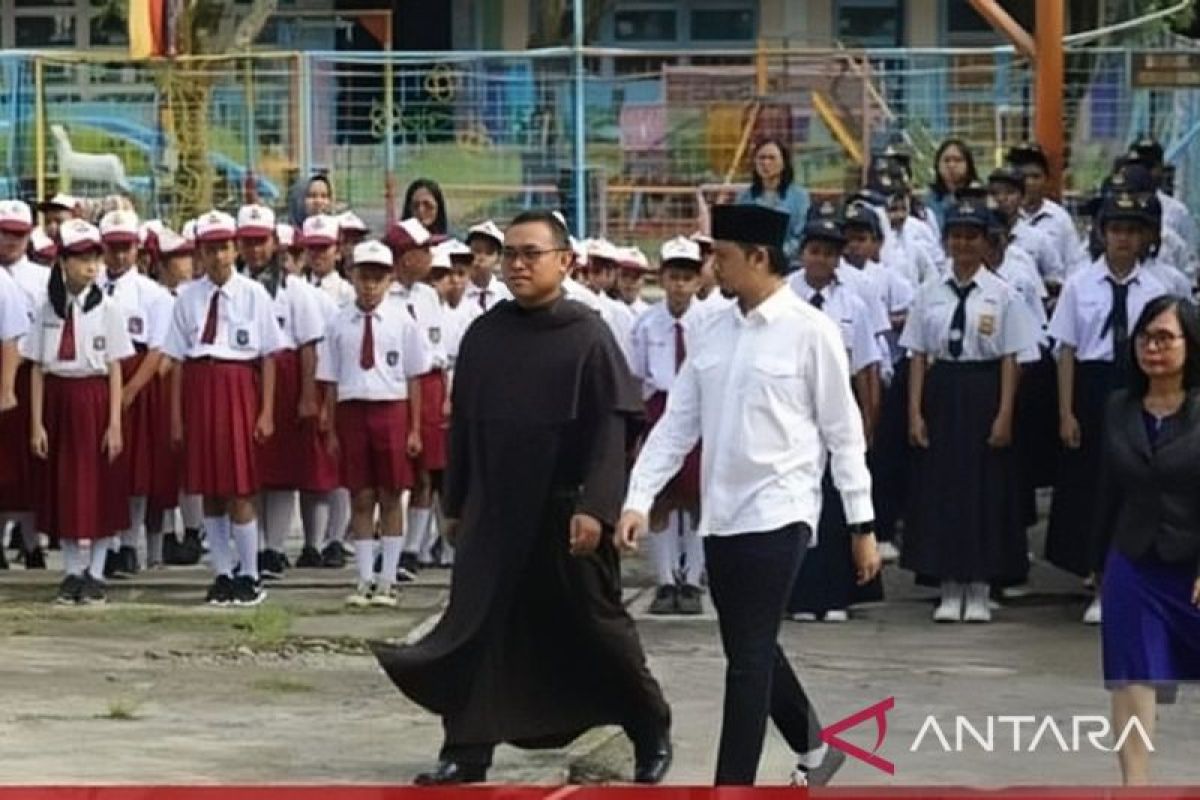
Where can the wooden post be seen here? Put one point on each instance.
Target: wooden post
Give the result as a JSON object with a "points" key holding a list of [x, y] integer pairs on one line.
{"points": [[1048, 88]]}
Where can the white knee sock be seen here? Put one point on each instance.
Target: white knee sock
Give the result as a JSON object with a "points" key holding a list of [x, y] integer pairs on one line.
{"points": [[191, 508], [245, 536], [392, 545], [219, 553], [339, 515], [664, 551], [364, 559], [279, 514], [693, 551], [100, 548], [314, 516], [432, 532], [137, 518], [418, 525], [154, 548], [72, 557]]}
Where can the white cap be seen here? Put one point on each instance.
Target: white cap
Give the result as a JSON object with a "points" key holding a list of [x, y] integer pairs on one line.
{"points": [[320, 230], [41, 243], [603, 248], [255, 221], [171, 243], [489, 229], [581, 251], [215, 226], [63, 201], [440, 258], [150, 227], [189, 230], [409, 234], [15, 217], [79, 237], [286, 235], [702, 239], [454, 248], [349, 221], [680, 249], [119, 227], [632, 258], [373, 252]]}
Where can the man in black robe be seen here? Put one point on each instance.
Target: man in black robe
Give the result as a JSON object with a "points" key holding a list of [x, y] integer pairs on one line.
{"points": [[536, 646]]}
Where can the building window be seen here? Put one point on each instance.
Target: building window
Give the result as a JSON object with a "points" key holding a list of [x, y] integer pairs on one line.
{"points": [[682, 22], [870, 23], [964, 26], [722, 25], [645, 25], [57, 30]]}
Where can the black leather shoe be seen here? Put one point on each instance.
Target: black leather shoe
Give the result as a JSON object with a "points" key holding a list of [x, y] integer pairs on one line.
{"points": [[653, 760], [449, 773]]}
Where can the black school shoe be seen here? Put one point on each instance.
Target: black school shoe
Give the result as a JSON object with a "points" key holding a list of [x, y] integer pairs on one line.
{"points": [[183, 554], [94, 592], [247, 591], [35, 559], [3, 560], [689, 602], [333, 556], [666, 600], [220, 593], [69, 590], [126, 564], [272, 564], [310, 558]]}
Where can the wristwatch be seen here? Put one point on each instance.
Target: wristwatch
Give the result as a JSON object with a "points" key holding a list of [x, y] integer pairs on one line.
{"points": [[862, 528]]}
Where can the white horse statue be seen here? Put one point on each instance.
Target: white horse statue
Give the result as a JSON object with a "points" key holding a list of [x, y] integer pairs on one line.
{"points": [[99, 167]]}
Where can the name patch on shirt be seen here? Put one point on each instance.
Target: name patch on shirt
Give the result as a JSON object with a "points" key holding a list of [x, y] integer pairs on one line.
{"points": [[135, 326], [98, 343], [435, 335], [393, 358], [242, 338], [987, 324]]}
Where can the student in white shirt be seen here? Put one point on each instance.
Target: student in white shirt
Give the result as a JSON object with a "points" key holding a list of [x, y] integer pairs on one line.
{"points": [[485, 289], [371, 361], [963, 335], [1091, 324], [1044, 214], [599, 277], [351, 230], [14, 325], [146, 307], [223, 333], [632, 267], [1006, 188], [767, 386], [825, 588], [659, 346], [75, 345], [319, 237]]}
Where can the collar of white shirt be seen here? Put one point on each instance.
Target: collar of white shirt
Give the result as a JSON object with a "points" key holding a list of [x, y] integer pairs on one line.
{"points": [[768, 310]]}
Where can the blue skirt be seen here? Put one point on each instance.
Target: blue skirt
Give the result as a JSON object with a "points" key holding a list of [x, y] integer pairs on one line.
{"points": [[1151, 630]]}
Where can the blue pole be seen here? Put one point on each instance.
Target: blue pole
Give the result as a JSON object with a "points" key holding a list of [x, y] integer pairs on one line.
{"points": [[580, 140]]}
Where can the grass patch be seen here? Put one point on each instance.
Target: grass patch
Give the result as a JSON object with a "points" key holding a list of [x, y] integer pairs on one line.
{"points": [[122, 709], [281, 685], [266, 628]]}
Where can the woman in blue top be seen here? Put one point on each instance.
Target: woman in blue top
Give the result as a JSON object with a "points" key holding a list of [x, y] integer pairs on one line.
{"points": [[954, 169], [772, 186]]}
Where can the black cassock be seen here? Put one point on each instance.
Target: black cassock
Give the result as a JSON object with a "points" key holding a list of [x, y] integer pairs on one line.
{"points": [[536, 646]]}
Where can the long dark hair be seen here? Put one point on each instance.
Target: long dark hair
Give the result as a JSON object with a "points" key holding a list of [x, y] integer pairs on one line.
{"points": [[785, 180], [940, 189], [440, 224], [1189, 323], [56, 291]]}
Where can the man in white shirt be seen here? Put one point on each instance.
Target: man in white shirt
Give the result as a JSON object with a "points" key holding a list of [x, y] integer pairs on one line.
{"points": [[767, 386]]}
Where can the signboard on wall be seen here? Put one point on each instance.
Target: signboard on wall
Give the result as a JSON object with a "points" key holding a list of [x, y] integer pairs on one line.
{"points": [[1158, 70]]}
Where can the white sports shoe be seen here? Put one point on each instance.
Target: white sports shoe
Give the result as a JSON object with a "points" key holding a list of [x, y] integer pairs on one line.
{"points": [[1093, 614], [836, 615], [388, 597], [361, 597], [951, 607], [976, 606]]}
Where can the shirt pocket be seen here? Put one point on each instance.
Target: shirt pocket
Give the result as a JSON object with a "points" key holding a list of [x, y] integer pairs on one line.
{"points": [[986, 323], [243, 332], [772, 380]]}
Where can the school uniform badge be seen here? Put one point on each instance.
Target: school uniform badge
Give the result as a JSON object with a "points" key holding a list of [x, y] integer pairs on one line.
{"points": [[242, 338], [393, 358], [435, 335], [987, 324], [136, 326], [98, 343]]}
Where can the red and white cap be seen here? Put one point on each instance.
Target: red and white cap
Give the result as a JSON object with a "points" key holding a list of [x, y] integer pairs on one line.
{"points": [[410, 234], [15, 217], [255, 222], [41, 244], [487, 229], [680, 249], [149, 228], [440, 258], [581, 249], [286, 235], [632, 258], [372, 252], [702, 239], [603, 248], [188, 231], [79, 236], [215, 226], [320, 230], [119, 227], [349, 222], [61, 202], [171, 243], [453, 249]]}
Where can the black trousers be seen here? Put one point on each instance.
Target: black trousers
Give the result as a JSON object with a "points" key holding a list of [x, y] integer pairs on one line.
{"points": [[750, 577]]}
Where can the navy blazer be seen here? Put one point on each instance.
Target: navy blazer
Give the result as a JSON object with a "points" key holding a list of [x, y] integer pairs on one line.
{"points": [[1149, 496]]}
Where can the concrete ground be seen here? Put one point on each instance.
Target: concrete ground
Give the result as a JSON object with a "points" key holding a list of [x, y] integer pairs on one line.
{"points": [[157, 688]]}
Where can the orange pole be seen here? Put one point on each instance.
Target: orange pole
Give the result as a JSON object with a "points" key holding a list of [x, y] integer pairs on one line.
{"points": [[1048, 88], [999, 19]]}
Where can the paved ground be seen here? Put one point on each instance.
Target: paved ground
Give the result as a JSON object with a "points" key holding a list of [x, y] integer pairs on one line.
{"points": [[156, 688]]}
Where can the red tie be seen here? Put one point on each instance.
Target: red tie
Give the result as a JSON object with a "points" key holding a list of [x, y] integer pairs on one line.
{"points": [[210, 323], [680, 348], [366, 359], [66, 345]]}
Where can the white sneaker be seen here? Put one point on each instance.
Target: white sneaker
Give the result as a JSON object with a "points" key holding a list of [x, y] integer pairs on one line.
{"points": [[361, 597], [976, 606], [836, 615], [1015, 592], [888, 553], [951, 607], [386, 597], [1093, 615], [803, 616]]}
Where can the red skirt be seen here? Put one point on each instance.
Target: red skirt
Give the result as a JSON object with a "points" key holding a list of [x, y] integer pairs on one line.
{"points": [[17, 471], [280, 458], [683, 490], [83, 495], [373, 436], [138, 428], [163, 490], [434, 433], [220, 410]]}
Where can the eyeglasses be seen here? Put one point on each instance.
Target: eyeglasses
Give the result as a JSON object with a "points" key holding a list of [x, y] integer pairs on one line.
{"points": [[1157, 340], [527, 255]]}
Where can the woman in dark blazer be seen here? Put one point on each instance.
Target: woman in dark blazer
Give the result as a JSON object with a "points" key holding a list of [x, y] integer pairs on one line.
{"points": [[1149, 526]]}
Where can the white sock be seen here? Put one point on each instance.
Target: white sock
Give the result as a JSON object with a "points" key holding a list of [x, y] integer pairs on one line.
{"points": [[432, 532], [693, 552], [813, 757], [951, 591], [72, 557], [154, 548], [392, 545], [314, 516], [664, 551], [219, 553], [418, 524], [245, 536], [279, 514], [191, 508], [100, 548], [339, 515], [447, 552], [364, 559], [137, 518]]}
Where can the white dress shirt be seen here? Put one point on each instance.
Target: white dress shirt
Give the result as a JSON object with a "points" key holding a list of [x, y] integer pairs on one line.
{"points": [[246, 324], [769, 393], [300, 311], [1178, 218], [1085, 304], [638, 307], [401, 352], [458, 319], [334, 285], [146, 305], [997, 323], [652, 344], [864, 285], [491, 294], [1174, 251], [14, 312], [33, 280], [1053, 221], [574, 290], [1168, 275], [424, 304], [846, 309], [1019, 271], [1035, 241], [100, 339]]}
